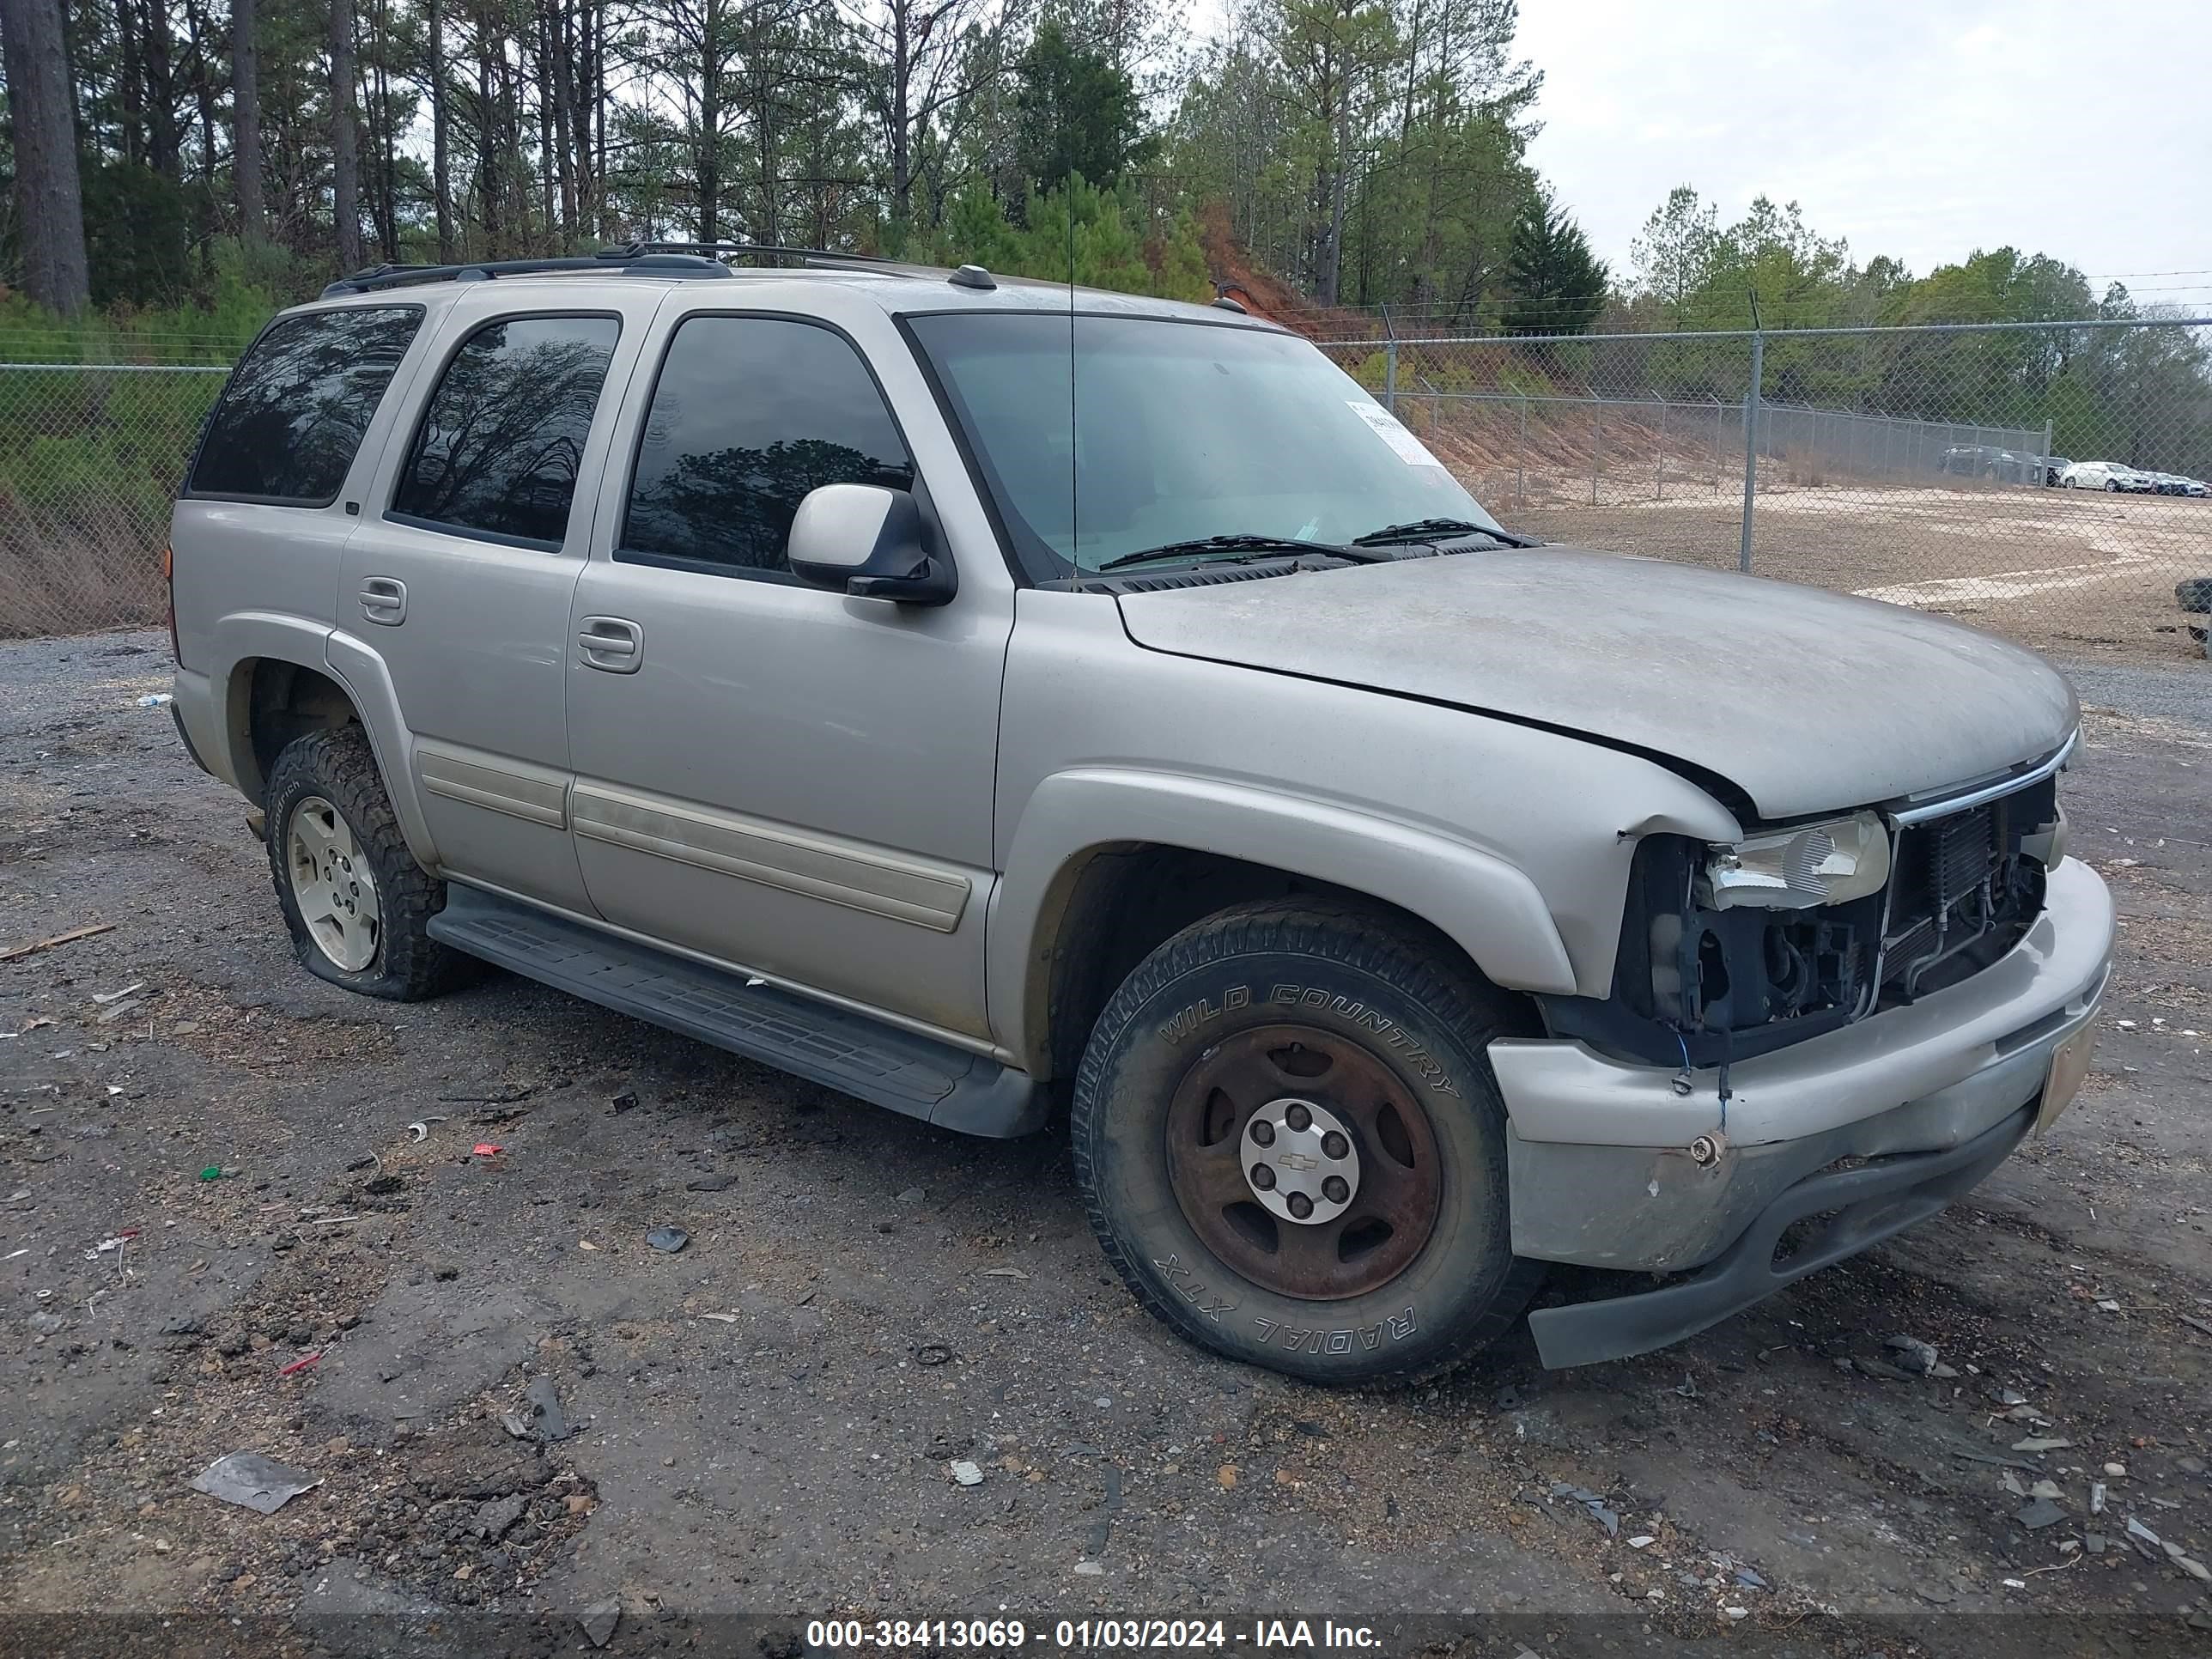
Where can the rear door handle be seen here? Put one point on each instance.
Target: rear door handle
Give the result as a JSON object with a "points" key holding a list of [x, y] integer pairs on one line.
{"points": [[613, 643], [384, 600]]}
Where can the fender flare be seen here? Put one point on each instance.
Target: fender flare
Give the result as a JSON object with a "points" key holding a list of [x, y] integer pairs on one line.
{"points": [[240, 640], [244, 637], [367, 681], [1488, 906]]}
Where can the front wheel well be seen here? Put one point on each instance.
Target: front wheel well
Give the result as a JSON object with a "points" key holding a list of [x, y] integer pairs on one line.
{"points": [[274, 703], [1127, 899]]}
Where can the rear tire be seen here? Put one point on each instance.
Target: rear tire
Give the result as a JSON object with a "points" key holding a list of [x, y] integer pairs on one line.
{"points": [[354, 899], [1327, 1024]]}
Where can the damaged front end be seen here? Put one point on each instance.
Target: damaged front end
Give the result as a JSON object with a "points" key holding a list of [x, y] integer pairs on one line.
{"points": [[1730, 952]]}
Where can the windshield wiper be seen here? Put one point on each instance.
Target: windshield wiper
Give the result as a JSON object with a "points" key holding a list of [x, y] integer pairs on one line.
{"points": [[1239, 543], [1435, 530]]}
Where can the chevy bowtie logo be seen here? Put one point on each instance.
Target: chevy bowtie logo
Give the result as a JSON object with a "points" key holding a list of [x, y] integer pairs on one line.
{"points": [[1296, 1161]]}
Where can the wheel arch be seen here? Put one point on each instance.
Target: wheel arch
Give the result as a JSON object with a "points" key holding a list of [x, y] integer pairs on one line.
{"points": [[1107, 866], [269, 702], [282, 678]]}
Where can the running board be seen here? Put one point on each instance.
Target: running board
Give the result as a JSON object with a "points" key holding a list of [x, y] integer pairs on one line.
{"points": [[881, 1064]]}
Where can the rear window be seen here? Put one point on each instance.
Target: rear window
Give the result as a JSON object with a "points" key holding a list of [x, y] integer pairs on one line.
{"points": [[296, 408], [503, 437]]}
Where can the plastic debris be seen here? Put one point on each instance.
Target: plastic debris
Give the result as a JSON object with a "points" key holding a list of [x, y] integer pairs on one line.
{"points": [[1593, 1502], [668, 1240], [2039, 1514], [2137, 1529], [2096, 1498], [213, 1172], [1642, 1540], [2035, 1443], [486, 1149], [967, 1473], [1912, 1353], [104, 997], [543, 1397], [300, 1363], [157, 699], [599, 1621], [254, 1482]]}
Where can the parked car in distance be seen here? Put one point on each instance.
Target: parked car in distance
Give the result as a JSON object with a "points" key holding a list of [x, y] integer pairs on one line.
{"points": [[813, 661], [2172, 483], [1989, 462], [2108, 476], [2048, 468]]}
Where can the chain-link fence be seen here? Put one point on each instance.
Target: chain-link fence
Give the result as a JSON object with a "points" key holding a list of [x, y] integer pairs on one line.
{"points": [[2046, 481], [2042, 480], [90, 458]]}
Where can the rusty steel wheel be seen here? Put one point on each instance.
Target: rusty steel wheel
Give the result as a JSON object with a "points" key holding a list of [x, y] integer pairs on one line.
{"points": [[1291, 1146], [1302, 1162]]}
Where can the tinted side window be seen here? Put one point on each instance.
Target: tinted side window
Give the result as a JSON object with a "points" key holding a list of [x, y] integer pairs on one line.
{"points": [[295, 409], [504, 432], [749, 414]]}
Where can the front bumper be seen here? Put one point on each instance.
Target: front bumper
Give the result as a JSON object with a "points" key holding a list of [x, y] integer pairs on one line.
{"points": [[1601, 1159]]}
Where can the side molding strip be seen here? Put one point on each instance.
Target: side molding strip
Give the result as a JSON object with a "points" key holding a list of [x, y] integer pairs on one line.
{"points": [[535, 799], [775, 855]]}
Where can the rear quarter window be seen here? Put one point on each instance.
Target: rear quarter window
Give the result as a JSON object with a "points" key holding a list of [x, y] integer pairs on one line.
{"points": [[294, 414], [502, 437]]}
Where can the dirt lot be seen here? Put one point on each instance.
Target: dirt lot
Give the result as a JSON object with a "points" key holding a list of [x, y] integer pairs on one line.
{"points": [[218, 1233], [2074, 574]]}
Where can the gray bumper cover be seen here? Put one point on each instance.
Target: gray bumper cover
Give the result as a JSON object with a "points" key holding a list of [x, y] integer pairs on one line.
{"points": [[1870, 1203], [1599, 1159]]}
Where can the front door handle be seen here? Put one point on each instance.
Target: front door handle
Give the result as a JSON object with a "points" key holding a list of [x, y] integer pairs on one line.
{"points": [[612, 643], [384, 600]]}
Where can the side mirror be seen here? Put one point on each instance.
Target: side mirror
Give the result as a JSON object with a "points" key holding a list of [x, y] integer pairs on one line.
{"points": [[866, 540]]}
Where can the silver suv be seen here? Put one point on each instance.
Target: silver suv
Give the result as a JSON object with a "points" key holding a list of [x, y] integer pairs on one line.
{"points": [[1016, 705]]}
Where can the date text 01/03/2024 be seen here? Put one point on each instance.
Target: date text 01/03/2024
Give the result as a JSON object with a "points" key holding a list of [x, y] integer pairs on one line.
{"points": [[984, 1636]]}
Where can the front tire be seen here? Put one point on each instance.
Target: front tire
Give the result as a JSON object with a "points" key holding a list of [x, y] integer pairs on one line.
{"points": [[1292, 1149], [354, 901]]}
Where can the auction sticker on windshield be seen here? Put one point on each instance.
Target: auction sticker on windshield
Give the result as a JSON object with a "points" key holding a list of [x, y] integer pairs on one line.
{"points": [[1392, 431]]}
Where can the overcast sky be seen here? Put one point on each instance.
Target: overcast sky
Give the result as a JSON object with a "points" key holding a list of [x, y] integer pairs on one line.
{"points": [[1922, 128]]}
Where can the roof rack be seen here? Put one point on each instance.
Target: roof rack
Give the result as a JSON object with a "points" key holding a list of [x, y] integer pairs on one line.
{"points": [[725, 249], [644, 259]]}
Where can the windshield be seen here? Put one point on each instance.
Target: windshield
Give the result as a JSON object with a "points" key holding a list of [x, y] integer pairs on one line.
{"points": [[1174, 432]]}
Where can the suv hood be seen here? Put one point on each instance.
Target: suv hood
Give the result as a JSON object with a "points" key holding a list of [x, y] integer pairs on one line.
{"points": [[1806, 700]]}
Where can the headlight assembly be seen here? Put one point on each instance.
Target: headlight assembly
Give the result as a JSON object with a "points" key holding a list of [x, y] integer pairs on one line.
{"points": [[1830, 863]]}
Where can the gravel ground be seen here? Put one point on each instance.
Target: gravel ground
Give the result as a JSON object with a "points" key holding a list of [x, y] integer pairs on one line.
{"points": [[765, 1423]]}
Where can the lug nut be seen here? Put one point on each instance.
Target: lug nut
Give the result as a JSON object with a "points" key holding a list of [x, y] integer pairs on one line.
{"points": [[1335, 1189], [1263, 1177], [1300, 1206], [1298, 1118], [1335, 1145], [1263, 1133]]}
